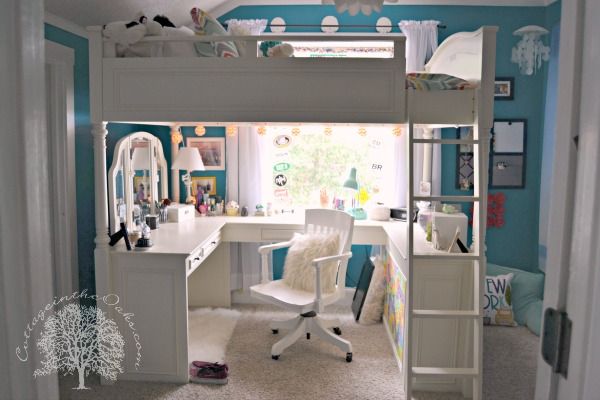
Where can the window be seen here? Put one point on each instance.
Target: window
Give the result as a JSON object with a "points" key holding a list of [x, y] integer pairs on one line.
{"points": [[309, 164]]}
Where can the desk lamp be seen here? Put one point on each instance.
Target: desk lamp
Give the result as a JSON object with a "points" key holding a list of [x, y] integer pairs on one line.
{"points": [[188, 159], [351, 183]]}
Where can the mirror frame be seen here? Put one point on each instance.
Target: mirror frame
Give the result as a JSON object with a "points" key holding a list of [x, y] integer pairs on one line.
{"points": [[158, 162]]}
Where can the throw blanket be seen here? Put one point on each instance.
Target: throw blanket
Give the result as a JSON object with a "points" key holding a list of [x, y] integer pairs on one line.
{"points": [[427, 81]]}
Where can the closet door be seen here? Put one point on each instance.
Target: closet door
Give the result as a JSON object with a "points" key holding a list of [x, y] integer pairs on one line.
{"points": [[60, 119]]}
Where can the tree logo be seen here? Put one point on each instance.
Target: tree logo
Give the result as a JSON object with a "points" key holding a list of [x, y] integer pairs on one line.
{"points": [[81, 338]]}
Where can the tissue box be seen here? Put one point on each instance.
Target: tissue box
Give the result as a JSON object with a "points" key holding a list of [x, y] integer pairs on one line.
{"points": [[180, 212], [446, 225]]}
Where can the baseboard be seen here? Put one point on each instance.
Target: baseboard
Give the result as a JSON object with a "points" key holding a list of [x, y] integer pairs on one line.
{"points": [[241, 297], [393, 345]]}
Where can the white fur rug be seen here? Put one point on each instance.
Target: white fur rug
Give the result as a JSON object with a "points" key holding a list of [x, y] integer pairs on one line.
{"points": [[209, 333]]}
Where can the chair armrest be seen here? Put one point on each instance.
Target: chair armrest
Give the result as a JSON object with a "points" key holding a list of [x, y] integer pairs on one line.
{"points": [[317, 262], [270, 247]]}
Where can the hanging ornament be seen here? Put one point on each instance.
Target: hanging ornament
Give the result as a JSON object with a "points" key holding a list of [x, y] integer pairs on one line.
{"points": [[328, 131], [295, 131], [262, 130], [362, 132], [200, 130], [231, 130]]}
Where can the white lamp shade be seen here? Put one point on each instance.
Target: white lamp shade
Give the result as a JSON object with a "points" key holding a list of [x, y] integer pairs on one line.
{"points": [[189, 159], [140, 159]]}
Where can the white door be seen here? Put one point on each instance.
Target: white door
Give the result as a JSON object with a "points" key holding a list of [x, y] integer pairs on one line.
{"points": [[572, 272], [61, 166]]}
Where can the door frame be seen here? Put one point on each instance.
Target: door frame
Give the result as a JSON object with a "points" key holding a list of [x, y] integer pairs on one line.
{"points": [[60, 61]]}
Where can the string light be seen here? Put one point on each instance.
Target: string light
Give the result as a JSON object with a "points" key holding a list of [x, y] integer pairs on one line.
{"points": [[176, 136], [397, 131], [328, 131], [295, 131], [362, 131], [231, 130], [200, 130], [262, 130]]}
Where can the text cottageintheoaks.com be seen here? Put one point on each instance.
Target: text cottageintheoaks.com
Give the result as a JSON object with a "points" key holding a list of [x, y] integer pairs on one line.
{"points": [[110, 300]]}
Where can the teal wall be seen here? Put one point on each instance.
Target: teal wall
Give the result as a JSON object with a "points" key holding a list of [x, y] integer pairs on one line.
{"points": [[84, 154], [515, 244]]}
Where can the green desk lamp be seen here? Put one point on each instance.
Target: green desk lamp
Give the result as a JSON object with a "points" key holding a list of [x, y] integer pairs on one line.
{"points": [[351, 183]]}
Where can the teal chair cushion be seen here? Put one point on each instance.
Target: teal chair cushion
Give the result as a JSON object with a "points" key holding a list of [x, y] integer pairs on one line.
{"points": [[527, 295]]}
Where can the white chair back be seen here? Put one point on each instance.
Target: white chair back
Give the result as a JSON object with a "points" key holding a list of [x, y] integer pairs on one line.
{"points": [[332, 221]]}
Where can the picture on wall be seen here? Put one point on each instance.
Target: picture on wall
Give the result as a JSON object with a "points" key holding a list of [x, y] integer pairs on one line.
{"points": [[508, 171], [206, 184], [504, 88], [212, 151], [141, 189], [465, 159]]}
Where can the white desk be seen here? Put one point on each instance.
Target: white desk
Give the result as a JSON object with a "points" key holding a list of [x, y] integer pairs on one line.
{"points": [[189, 266]]}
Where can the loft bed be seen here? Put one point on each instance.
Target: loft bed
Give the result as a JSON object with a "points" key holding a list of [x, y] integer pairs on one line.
{"points": [[252, 89]]}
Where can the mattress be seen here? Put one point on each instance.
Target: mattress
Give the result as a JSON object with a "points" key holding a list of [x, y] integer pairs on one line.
{"points": [[428, 82]]}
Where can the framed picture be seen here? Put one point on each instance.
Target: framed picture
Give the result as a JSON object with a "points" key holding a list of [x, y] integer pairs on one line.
{"points": [[504, 88], [509, 136], [208, 184], [141, 189], [507, 171], [212, 151], [464, 160]]}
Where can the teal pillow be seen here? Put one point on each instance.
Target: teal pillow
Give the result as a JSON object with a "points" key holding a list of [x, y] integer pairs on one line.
{"points": [[527, 289], [533, 316]]}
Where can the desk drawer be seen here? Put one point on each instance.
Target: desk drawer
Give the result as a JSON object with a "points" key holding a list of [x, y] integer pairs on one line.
{"points": [[198, 256], [278, 234]]}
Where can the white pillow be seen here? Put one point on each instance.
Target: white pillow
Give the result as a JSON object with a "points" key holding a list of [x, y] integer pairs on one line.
{"points": [[298, 272], [372, 308], [497, 306]]}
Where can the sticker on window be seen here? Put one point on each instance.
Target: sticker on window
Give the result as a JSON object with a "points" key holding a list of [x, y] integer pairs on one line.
{"points": [[280, 180], [282, 141]]}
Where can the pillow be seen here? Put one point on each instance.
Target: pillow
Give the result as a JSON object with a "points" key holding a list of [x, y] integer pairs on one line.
{"points": [[497, 306], [372, 309], [533, 316], [298, 272], [527, 290], [206, 24]]}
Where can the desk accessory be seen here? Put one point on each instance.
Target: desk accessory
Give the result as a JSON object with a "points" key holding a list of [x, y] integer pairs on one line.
{"points": [[351, 183], [144, 242], [152, 221], [188, 158], [121, 233], [180, 212]]}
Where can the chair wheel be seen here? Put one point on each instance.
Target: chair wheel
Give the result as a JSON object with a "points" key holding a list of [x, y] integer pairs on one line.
{"points": [[277, 357], [337, 331], [308, 336], [348, 357], [275, 331]]}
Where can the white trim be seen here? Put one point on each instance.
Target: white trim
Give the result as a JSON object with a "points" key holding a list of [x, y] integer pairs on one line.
{"points": [[61, 143], [230, 5], [64, 24]]}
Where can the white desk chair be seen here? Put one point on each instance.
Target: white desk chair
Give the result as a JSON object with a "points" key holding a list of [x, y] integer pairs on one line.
{"points": [[309, 304]]}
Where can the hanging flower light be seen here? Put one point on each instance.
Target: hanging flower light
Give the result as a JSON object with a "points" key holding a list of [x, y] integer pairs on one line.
{"points": [[200, 130], [176, 136], [262, 130], [231, 130], [328, 131], [397, 131], [362, 132], [295, 131]]}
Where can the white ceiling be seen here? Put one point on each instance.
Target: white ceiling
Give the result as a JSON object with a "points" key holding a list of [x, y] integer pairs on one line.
{"points": [[99, 12]]}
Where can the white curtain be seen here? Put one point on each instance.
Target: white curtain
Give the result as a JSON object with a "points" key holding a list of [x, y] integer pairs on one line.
{"points": [[244, 185], [421, 43]]}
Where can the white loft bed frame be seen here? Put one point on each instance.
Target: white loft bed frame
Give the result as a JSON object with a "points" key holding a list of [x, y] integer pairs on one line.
{"points": [[182, 91]]}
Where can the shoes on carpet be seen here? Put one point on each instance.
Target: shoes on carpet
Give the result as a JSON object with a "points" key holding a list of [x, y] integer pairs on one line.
{"points": [[208, 372]]}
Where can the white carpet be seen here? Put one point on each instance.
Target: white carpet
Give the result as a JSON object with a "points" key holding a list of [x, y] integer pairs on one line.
{"points": [[209, 332]]}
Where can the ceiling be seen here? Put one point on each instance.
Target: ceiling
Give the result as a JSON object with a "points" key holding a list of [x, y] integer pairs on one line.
{"points": [[99, 12]]}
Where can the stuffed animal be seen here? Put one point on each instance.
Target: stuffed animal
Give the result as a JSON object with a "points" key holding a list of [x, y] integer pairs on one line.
{"points": [[276, 49], [124, 33]]}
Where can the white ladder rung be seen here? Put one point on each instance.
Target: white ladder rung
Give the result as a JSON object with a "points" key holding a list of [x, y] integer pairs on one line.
{"points": [[457, 199], [448, 314], [446, 256], [458, 372], [447, 141]]}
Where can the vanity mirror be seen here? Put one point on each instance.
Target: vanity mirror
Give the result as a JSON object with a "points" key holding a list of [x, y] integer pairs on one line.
{"points": [[137, 178]]}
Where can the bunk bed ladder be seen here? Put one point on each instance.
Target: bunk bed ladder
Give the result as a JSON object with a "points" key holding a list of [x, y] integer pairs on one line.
{"points": [[475, 258]]}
